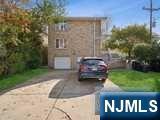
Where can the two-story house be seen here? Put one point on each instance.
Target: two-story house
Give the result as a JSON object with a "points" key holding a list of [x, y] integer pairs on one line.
{"points": [[75, 38]]}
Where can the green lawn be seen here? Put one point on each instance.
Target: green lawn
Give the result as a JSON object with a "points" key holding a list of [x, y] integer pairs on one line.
{"points": [[13, 80], [130, 80]]}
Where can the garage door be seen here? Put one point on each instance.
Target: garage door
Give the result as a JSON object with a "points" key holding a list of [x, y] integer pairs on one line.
{"points": [[62, 63]]}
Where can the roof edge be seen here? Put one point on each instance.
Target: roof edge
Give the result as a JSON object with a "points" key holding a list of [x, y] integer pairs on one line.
{"points": [[86, 18]]}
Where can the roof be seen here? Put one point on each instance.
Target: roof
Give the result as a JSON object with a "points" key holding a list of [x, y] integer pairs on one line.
{"points": [[98, 58], [86, 18], [156, 35]]}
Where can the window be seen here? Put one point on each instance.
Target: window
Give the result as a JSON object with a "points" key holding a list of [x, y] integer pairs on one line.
{"points": [[2, 9], [61, 27], [104, 27], [61, 43]]}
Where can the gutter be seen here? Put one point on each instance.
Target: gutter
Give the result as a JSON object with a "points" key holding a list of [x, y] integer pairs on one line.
{"points": [[94, 37]]}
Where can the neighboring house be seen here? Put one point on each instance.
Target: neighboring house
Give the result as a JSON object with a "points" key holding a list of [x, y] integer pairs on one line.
{"points": [[75, 38], [156, 37]]}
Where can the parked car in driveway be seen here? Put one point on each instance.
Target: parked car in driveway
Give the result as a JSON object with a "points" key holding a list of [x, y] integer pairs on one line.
{"points": [[92, 68]]}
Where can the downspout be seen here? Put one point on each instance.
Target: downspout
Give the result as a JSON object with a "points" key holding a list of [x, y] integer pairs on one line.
{"points": [[94, 38]]}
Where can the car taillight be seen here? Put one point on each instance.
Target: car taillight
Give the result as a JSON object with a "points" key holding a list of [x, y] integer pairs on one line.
{"points": [[103, 68], [83, 68]]}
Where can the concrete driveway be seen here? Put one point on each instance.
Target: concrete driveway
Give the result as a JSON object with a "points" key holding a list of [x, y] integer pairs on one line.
{"points": [[54, 96]]}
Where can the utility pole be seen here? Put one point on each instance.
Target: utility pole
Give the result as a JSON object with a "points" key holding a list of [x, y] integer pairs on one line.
{"points": [[151, 10]]}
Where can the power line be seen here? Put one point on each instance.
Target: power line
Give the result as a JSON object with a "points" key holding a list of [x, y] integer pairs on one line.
{"points": [[151, 10]]}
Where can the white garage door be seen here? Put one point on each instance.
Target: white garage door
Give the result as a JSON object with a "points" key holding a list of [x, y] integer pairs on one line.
{"points": [[62, 63]]}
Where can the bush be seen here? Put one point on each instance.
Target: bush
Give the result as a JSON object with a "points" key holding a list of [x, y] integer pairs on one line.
{"points": [[35, 60], [33, 63], [147, 55], [142, 52], [155, 51], [3, 65], [45, 56], [16, 63], [3, 68]]}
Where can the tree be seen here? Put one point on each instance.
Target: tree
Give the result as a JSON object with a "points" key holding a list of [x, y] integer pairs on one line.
{"points": [[126, 38], [21, 32]]}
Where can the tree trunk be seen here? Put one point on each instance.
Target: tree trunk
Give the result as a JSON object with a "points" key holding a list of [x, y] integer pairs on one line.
{"points": [[129, 63], [129, 54]]}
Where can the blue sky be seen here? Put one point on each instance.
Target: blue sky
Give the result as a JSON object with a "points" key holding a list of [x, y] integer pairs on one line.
{"points": [[121, 12]]}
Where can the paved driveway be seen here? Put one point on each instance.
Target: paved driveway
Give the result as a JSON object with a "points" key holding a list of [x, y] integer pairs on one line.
{"points": [[54, 96]]}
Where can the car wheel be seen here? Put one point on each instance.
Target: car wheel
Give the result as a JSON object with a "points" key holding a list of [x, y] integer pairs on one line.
{"points": [[80, 79], [103, 80]]}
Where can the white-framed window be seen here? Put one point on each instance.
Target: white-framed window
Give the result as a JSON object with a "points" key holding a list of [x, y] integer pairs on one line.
{"points": [[2, 9], [61, 43], [61, 26], [104, 27]]}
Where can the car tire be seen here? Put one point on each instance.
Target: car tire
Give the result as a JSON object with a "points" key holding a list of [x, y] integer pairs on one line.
{"points": [[80, 79], [103, 80]]}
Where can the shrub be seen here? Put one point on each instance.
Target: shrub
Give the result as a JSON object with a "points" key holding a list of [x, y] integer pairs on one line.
{"points": [[148, 54], [3, 68], [35, 60], [3, 65], [16, 63], [155, 51], [45, 55], [142, 52]]}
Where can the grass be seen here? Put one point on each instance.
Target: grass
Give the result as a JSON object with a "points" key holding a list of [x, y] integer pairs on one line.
{"points": [[134, 81], [13, 80]]}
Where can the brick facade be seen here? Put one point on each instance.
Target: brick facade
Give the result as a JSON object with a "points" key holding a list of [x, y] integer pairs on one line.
{"points": [[79, 38]]}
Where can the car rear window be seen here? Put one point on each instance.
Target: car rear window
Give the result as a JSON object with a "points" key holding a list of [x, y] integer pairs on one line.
{"points": [[91, 62]]}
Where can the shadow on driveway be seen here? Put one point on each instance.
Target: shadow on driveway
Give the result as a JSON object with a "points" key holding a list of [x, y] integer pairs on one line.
{"points": [[71, 87], [51, 75]]}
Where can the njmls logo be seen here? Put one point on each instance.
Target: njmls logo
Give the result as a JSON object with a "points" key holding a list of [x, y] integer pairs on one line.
{"points": [[129, 106]]}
